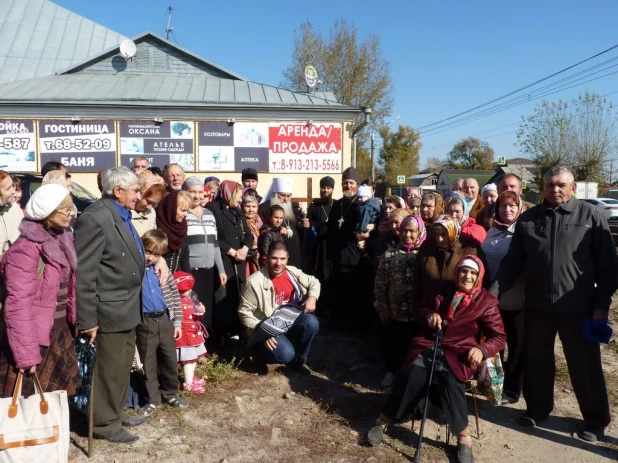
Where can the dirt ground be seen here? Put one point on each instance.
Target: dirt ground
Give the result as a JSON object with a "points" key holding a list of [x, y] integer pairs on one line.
{"points": [[286, 417]]}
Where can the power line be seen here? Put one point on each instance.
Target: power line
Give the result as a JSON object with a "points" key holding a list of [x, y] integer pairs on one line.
{"points": [[517, 101], [446, 144], [519, 89]]}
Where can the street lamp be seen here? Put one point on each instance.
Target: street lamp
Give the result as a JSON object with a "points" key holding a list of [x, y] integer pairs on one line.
{"points": [[373, 135]]}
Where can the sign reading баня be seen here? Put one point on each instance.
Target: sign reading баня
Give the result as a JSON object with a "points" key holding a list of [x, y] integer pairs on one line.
{"points": [[304, 148]]}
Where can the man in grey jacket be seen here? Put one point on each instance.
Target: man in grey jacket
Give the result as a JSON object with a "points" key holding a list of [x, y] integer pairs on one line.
{"points": [[109, 277], [565, 252]]}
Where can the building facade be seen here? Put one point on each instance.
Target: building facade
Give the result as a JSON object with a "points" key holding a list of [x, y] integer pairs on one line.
{"points": [[68, 94]]}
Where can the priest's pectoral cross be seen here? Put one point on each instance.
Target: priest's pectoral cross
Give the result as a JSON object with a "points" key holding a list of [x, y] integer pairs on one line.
{"points": [[341, 220]]}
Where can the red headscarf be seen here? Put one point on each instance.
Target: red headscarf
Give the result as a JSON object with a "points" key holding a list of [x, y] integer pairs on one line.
{"points": [[166, 221], [462, 299], [226, 191]]}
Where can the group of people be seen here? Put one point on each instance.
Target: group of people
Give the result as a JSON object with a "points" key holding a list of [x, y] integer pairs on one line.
{"points": [[490, 271], [165, 267]]}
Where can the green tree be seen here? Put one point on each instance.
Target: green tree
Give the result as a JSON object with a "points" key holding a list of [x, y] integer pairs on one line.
{"points": [[363, 160], [471, 153], [399, 154], [580, 134], [353, 69]]}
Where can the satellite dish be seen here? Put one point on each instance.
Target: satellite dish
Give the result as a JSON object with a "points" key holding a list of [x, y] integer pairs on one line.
{"points": [[128, 48], [311, 77]]}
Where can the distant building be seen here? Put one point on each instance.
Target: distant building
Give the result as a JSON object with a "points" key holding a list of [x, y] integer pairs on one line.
{"points": [[427, 181], [448, 176]]}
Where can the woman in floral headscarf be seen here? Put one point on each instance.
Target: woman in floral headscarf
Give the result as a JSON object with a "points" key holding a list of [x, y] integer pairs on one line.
{"points": [[459, 209], [432, 205], [438, 257], [470, 311], [394, 291]]}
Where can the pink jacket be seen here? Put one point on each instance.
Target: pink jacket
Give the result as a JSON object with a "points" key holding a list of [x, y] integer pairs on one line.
{"points": [[31, 299]]}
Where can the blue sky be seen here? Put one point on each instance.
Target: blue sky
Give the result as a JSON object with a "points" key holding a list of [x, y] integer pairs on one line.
{"points": [[446, 56]]}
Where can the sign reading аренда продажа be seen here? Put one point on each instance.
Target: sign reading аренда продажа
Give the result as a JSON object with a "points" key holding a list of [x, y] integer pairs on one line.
{"points": [[304, 148], [17, 150], [82, 146], [162, 143]]}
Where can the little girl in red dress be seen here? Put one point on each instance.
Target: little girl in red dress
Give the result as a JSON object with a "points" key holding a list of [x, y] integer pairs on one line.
{"points": [[190, 347]]}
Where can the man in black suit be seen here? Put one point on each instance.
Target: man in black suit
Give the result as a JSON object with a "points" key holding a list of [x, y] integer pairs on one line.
{"points": [[109, 277]]}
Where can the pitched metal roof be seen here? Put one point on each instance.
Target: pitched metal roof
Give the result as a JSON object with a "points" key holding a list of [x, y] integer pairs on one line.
{"points": [[38, 37], [150, 37], [143, 90]]}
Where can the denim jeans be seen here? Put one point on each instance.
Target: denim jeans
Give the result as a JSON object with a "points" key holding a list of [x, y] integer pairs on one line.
{"points": [[293, 345]]}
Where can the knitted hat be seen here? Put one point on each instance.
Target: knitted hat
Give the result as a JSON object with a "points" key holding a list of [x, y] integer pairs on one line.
{"points": [[489, 187], [351, 174], [184, 281], [327, 181], [45, 200], [249, 174], [211, 179], [191, 181], [364, 190]]}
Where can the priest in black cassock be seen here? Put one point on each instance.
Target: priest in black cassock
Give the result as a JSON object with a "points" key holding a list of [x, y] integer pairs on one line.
{"points": [[348, 286], [280, 193], [318, 213]]}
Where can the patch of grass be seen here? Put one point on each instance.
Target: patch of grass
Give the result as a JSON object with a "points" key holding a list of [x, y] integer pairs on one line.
{"points": [[216, 370]]}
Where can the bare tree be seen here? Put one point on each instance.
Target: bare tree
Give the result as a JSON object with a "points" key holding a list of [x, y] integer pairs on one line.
{"points": [[581, 134], [354, 70], [434, 164]]}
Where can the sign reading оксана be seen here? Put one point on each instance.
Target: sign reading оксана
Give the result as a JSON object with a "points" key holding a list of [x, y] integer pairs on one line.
{"points": [[162, 143], [82, 146]]}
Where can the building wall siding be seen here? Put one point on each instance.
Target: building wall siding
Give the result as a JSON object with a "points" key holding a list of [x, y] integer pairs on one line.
{"points": [[153, 57]]}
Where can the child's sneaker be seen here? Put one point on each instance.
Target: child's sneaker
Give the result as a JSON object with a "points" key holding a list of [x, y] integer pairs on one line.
{"points": [[200, 381], [194, 387]]}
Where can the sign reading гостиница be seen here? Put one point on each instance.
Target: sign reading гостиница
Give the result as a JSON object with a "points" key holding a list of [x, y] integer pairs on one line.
{"points": [[82, 146]]}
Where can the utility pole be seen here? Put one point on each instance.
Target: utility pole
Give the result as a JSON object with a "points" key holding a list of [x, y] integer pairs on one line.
{"points": [[373, 166], [169, 29]]}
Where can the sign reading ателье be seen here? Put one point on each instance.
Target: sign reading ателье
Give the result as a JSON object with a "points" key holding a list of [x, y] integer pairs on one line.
{"points": [[162, 143], [82, 146]]}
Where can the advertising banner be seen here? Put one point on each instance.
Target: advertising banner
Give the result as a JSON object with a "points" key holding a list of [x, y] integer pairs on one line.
{"points": [[161, 143], [304, 148], [17, 146], [232, 147], [83, 146]]}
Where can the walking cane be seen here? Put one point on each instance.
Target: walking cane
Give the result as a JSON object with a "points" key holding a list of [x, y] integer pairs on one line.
{"points": [[90, 417], [417, 454]]}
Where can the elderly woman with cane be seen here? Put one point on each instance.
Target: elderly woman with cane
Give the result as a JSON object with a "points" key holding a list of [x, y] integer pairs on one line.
{"points": [[457, 320]]}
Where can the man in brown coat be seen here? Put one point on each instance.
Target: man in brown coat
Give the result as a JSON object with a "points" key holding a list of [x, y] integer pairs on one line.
{"points": [[471, 189]]}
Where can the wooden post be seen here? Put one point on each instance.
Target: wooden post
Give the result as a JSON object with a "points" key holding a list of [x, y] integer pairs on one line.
{"points": [[309, 190]]}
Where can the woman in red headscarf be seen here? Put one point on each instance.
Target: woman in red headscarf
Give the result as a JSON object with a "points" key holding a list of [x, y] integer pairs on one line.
{"points": [[235, 241], [469, 310], [172, 220]]}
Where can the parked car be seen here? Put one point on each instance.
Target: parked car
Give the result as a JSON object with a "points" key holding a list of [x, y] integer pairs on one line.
{"points": [[82, 198], [609, 207]]}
